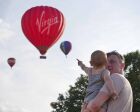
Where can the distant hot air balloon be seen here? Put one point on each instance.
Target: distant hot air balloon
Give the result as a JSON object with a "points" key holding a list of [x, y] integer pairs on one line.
{"points": [[65, 46], [11, 61], [43, 26]]}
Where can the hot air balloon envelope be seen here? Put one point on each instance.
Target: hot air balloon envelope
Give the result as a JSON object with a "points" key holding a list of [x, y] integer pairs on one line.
{"points": [[43, 26], [66, 46], [11, 62]]}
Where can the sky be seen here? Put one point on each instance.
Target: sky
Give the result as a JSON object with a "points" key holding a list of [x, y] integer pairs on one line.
{"points": [[32, 84]]}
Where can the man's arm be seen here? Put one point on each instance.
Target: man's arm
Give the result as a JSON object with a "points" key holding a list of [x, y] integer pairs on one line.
{"points": [[97, 102], [104, 94]]}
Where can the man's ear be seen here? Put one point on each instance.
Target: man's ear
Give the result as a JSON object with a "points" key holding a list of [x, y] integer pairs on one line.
{"points": [[91, 63], [122, 66]]}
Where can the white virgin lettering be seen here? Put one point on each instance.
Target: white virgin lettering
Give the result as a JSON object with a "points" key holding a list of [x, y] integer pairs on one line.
{"points": [[44, 24]]}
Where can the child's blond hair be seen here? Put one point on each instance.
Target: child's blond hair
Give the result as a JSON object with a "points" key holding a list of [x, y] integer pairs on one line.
{"points": [[98, 59]]}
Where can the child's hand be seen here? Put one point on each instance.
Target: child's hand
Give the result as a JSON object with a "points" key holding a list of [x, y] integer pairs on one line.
{"points": [[79, 62], [114, 95]]}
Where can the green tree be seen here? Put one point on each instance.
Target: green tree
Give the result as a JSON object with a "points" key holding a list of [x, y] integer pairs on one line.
{"points": [[73, 99], [132, 69]]}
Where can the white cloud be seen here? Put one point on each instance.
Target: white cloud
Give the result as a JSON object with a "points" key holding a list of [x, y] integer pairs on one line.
{"points": [[6, 107], [5, 30]]}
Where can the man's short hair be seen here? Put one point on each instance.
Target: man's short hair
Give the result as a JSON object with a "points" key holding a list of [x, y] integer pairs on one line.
{"points": [[116, 54]]}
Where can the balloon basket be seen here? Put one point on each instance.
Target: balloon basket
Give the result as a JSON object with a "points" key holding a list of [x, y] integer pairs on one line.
{"points": [[42, 57]]}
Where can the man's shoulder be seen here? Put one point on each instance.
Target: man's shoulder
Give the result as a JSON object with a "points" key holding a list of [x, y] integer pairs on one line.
{"points": [[118, 76], [119, 80]]}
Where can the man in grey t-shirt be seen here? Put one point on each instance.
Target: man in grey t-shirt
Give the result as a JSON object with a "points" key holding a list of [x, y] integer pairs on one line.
{"points": [[124, 102]]}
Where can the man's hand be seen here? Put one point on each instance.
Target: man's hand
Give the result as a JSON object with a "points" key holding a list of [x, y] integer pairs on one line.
{"points": [[92, 107], [95, 104], [86, 110]]}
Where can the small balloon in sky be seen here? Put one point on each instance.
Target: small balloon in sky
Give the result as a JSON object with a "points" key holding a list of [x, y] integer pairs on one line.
{"points": [[66, 46], [11, 61], [43, 26]]}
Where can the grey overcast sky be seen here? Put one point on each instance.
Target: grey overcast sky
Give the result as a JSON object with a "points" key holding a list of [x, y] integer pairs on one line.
{"points": [[32, 84]]}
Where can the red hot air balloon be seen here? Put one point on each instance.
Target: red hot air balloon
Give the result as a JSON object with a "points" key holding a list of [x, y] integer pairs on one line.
{"points": [[43, 26], [11, 61], [65, 46]]}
